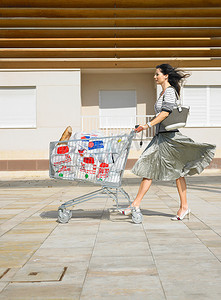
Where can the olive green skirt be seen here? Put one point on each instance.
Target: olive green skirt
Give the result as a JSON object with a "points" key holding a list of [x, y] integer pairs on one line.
{"points": [[171, 155]]}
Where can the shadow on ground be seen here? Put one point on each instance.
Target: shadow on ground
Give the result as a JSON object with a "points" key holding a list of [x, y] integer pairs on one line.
{"points": [[195, 182], [97, 214]]}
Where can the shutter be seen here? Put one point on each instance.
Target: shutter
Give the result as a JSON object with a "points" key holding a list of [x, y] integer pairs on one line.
{"points": [[215, 106], [117, 109], [196, 98], [18, 107]]}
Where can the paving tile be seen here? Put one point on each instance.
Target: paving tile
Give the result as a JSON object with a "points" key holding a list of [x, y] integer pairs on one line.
{"points": [[206, 268], [48, 290], [5, 217], [127, 249], [33, 273], [121, 286], [61, 255], [14, 259], [121, 236], [106, 255], [2, 286], [124, 225], [13, 211], [37, 237], [79, 241], [197, 226], [7, 246], [216, 251], [138, 264], [189, 289], [8, 274]]}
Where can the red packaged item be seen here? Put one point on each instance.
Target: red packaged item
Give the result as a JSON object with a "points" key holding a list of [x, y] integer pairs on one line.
{"points": [[88, 160], [104, 165], [62, 150], [64, 168], [66, 159], [103, 171]]}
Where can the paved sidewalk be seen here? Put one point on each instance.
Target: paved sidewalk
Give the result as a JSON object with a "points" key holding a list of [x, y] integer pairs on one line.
{"points": [[101, 254]]}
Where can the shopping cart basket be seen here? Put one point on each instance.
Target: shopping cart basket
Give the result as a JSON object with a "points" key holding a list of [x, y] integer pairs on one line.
{"points": [[94, 159]]}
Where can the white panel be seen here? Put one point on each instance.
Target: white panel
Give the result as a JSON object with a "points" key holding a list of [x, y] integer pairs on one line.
{"points": [[18, 107], [37, 78], [117, 109], [215, 106], [196, 98]]}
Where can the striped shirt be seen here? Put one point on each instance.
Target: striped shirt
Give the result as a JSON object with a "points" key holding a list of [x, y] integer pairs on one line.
{"points": [[166, 101]]}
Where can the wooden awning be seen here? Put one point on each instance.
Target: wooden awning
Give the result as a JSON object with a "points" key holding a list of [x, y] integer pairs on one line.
{"points": [[109, 34]]}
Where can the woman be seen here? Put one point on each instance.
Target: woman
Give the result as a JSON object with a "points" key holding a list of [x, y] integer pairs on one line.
{"points": [[170, 155]]}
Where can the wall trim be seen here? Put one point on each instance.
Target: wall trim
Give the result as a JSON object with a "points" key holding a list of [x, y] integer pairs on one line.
{"points": [[43, 164]]}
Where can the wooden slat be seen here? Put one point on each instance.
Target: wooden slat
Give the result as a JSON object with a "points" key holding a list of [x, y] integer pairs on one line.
{"points": [[109, 3], [169, 42], [56, 12], [57, 3], [106, 22], [107, 42], [109, 13], [109, 52], [57, 42], [96, 63], [167, 3], [112, 32]]}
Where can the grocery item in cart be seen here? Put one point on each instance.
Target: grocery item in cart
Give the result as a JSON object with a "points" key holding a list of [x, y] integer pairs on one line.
{"points": [[66, 134], [100, 163], [103, 171], [87, 169], [85, 135], [61, 160], [93, 145]]}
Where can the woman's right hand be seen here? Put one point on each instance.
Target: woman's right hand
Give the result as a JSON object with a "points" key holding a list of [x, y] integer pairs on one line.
{"points": [[141, 127]]}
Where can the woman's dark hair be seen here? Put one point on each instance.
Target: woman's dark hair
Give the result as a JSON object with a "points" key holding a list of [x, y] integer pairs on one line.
{"points": [[175, 76]]}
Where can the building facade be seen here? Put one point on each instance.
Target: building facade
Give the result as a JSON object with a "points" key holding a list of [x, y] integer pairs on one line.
{"points": [[69, 62]]}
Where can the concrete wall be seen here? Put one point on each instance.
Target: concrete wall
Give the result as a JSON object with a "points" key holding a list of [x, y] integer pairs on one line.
{"points": [[141, 82], [147, 92], [58, 105], [63, 96]]}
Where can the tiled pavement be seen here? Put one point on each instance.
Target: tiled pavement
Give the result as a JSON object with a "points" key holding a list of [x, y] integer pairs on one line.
{"points": [[101, 254]]}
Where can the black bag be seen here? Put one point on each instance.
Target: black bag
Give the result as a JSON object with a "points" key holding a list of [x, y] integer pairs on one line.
{"points": [[177, 118]]}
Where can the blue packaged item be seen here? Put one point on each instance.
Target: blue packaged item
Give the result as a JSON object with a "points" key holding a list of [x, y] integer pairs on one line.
{"points": [[95, 145], [85, 137]]}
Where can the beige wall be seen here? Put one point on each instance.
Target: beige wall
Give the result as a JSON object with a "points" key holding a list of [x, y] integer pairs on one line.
{"points": [[62, 96], [58, 105], [141, 82], [147, 92]]}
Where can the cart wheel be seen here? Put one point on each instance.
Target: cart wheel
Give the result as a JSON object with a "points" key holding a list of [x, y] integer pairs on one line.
{"points": [[63, 216], [70, 213], [137, 218]]}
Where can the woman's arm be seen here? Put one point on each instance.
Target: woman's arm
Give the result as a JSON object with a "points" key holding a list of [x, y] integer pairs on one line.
{"points": [[159, 118]]}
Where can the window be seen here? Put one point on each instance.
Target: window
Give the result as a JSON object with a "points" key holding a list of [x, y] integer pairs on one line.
{"points": [[18, 107], [205, 105], [117, 109]]}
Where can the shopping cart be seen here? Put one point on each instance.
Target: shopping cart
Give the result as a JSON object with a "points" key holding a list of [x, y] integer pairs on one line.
{"points": [[95, 159]]}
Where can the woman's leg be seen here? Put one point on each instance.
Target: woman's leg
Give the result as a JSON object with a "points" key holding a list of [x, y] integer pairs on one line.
{"points": [[144, 187], [181, 187]]}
